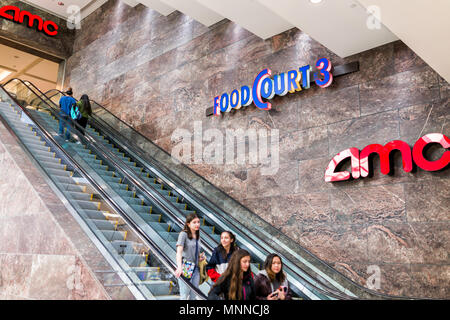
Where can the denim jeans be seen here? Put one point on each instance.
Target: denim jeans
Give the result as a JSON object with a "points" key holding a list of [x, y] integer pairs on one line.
{"points": [[185, 292], [63, 125]]}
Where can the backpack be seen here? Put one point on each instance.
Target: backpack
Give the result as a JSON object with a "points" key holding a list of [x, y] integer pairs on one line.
{"points": [[75, 113]]}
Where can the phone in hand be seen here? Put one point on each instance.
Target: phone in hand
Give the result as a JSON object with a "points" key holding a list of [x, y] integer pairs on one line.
{"points": [[274, 294]]}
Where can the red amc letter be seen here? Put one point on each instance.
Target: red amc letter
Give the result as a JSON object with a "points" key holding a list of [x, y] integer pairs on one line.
{"points": [[53, 25], [4, 9], [431, 165], [330, 175], [383, 152], [31, 18]]}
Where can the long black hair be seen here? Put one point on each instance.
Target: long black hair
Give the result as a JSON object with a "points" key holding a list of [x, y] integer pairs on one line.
{"points": [[86, 103], [280, 276]]}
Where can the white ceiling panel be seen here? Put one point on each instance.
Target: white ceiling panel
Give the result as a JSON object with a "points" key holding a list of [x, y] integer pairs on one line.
{"points": [[66, 9], [159, 6], [195, 10], [342, 26], [424, 26], [251, 15]]}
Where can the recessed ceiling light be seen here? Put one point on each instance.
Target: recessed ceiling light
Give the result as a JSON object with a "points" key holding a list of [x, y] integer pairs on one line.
{"points": [[315, 1]]}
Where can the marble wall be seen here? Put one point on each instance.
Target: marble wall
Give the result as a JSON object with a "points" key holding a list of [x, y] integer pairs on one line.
{"points": [[160, 73], [44, 253]]}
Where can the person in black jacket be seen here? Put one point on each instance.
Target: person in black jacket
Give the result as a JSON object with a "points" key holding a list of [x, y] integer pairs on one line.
{"points": [[271, 282], [236, 283], [221, 255]]}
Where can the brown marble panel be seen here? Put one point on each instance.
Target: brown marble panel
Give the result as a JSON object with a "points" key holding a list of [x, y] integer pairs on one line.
{"points": [[431, 281], [303, 145], [263, 208], [305, 208], [405, 59], [311, 176], [53, 277], [445, 88], [225, 34], [419, 120], [276, 118], [15, 272], [371, 204], [330, 107], [330, 242], [428, 201], [284, 182], [38, 235], [408, 243], [358, 133], [399, 90]]}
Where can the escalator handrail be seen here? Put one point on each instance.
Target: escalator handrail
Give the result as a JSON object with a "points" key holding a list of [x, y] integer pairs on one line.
{"points": [[159, 253]]}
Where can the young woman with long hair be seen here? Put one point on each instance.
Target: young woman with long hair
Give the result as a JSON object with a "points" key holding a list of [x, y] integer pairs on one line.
{"points": [[86, 111], [221, 255], [188, 252], [271, 283], [236, 283]]}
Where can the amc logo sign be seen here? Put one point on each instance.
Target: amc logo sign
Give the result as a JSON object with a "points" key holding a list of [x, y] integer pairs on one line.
{"points": [[360, 160], [48, 27]]}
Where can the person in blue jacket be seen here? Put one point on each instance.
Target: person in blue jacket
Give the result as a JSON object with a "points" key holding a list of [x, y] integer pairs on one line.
{"points": [[65, 103]]}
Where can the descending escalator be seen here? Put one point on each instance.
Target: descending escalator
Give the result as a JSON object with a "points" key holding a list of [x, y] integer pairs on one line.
{"points": [[157, 199], [139, 262]]}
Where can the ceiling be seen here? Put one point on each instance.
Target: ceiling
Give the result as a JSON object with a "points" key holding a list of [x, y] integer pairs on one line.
{"points": [[343, 26], [66, 9], [18, 64]]}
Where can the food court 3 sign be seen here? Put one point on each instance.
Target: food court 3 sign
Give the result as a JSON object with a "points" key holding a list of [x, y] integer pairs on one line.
{"points": [[265, 88]]}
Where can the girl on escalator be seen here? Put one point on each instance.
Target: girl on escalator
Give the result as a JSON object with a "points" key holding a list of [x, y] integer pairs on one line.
{"points": [[188, 257], [221, 255], [86, 111], [271, 282], [236, 283]]}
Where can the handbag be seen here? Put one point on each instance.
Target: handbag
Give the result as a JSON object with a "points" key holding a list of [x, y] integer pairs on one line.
{"points": [[188, 267]]}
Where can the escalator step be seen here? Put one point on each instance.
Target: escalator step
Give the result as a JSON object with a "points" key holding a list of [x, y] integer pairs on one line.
{"points": [[114, 235]]}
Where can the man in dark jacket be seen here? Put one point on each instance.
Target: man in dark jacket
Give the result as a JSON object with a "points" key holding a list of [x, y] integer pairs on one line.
{"points": [[65, 103]]}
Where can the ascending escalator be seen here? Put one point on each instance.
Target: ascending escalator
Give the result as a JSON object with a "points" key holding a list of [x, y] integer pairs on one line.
{"points": [[157, 199]]}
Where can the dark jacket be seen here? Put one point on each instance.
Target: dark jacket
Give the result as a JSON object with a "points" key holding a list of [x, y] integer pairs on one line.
{"points": [[263, 287], [248, 288], [217, 264]]}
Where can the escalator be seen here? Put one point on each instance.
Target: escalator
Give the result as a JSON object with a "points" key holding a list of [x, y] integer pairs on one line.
{"points": [[140, 263], [145, 183]]}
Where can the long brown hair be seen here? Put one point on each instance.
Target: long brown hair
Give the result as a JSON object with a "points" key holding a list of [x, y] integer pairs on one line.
{"points": [[186, 228], [280, 276], [235, 275]]}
